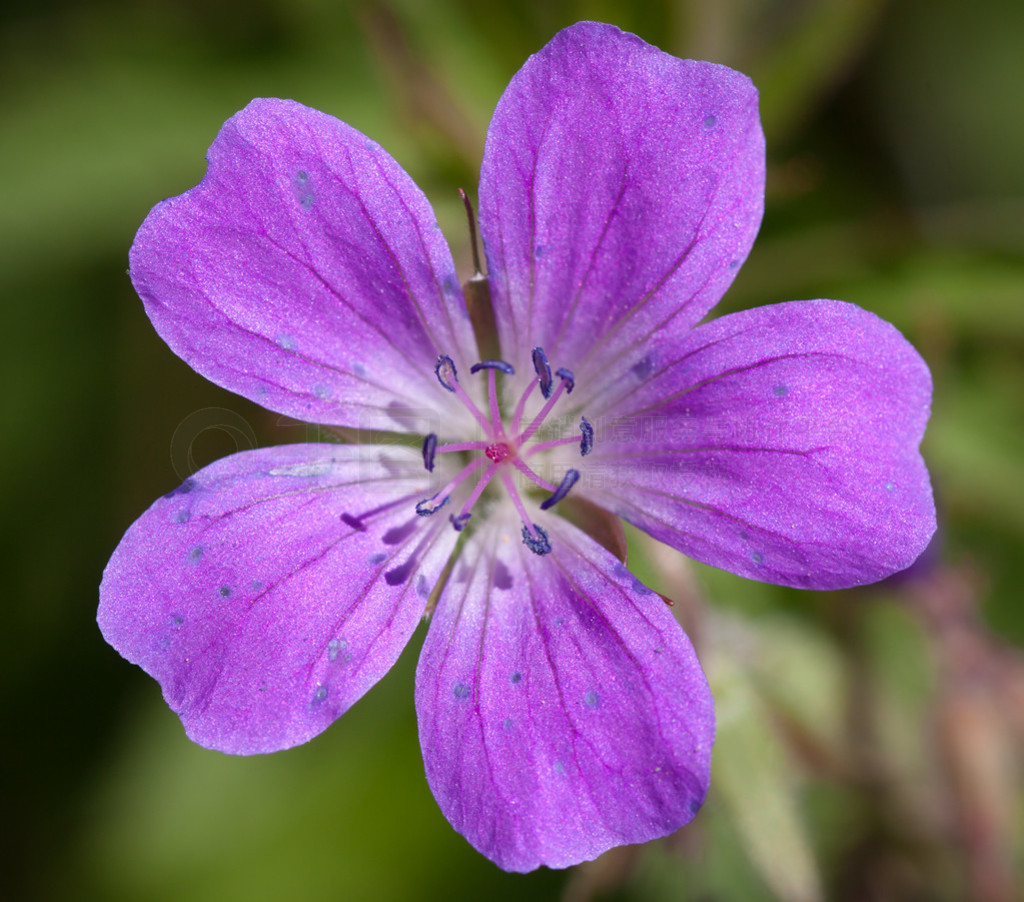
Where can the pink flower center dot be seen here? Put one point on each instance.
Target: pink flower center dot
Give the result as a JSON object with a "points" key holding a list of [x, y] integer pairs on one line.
{"points": [[497, 451]]}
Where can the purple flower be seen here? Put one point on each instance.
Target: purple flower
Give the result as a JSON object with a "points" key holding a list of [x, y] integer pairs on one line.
{"points": [[561, 709]]}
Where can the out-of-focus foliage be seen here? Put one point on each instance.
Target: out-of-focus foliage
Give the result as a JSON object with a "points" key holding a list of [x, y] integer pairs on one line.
{"points": [[869, 742]]}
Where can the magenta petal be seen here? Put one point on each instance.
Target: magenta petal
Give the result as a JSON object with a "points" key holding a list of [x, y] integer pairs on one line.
{"points": [[306, 271], [562, 710], [620, 190], [779, 443], [272, 589]]}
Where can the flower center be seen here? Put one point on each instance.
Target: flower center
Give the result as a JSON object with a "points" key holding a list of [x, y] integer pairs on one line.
{"points": [[505, 447], [498, 451]]}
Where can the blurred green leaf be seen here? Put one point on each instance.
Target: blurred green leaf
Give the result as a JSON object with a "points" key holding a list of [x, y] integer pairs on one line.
{"points": [[753, 776]]}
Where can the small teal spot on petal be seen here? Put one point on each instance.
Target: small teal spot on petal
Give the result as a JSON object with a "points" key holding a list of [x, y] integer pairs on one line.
{"points": [[303, 190], [756, 557], [422, 586], [508, 723], [176, 621], [195, 553], [378, 558], [515, 678], [889, 486], [591, 698], [225, 591], [319, 695], [539, 251], [322, 392], [334, 647], [710, 121], [559, 767], [183, 516], [461, 690], [286, 342], [781, 390]]}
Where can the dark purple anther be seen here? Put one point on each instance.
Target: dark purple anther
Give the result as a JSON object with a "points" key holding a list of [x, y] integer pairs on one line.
{"points": [[429, 506], [445, 371], [429, 448], [540, 365], [460, 521], [506, 368], [570, 479], [538, 544], [587, 439], [568, 378]]}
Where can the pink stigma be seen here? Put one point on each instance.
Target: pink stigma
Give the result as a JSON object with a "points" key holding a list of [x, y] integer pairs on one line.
{"points": [[497, 451]]}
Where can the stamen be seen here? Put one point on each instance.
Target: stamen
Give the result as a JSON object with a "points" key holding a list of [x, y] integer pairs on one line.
{"points": [[543, 370], [547, 446], [517, 503], [449, 378], [529, 473], [568, 378], [539, 543], [462, 446], [429, 506], [587, 439], [444, 369], [460, 521], [492, 399], [432, 505], [474, 496], [506, 368], [517, 417], [571, 478], [359, 521], [429, 448], [544, 411]]}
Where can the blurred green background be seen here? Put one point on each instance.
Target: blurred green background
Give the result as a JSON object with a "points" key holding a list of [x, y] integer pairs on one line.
{"points": [[870, 743]]}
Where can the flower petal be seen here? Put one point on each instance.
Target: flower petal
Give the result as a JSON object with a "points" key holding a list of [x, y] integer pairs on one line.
{"points": [[620, 190], [779, 443], [562, 710], [306, 272], [272, 589]]}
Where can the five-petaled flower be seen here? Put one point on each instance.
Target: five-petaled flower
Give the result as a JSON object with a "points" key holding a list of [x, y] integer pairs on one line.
{"points": [[561, 708]]}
